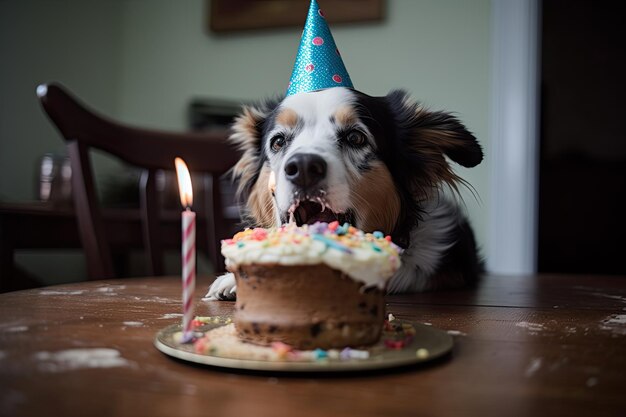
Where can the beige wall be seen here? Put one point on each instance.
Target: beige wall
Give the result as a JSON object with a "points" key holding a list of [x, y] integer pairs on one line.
{"points": [[143, 60], [72, 41]]}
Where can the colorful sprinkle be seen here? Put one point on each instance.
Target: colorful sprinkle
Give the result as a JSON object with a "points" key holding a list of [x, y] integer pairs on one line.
{"points": [[259, 234], [345, 354], [422, 353], [318, 228], [359, 354], [394, 344], [331, 243], [320, 354], [201, 345], [281, 349], [188, 338]]}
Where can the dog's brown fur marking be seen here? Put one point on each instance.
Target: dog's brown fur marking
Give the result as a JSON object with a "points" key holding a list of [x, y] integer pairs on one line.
{"points": [[345, 116], [260, 201], [287, 118], [377, 200]]}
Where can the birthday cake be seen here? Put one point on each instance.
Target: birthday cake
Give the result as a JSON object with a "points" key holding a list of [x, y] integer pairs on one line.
{"points": [[314, 286]]}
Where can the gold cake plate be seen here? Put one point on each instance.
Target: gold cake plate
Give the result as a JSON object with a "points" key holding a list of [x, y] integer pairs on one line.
{"points": [[426, 344]]}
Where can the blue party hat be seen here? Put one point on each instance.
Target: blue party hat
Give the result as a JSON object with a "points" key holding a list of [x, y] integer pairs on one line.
{"points": [[318, 64]]}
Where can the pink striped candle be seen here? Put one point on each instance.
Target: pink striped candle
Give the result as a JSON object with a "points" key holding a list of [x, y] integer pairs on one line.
{"points": [[188, 247]]}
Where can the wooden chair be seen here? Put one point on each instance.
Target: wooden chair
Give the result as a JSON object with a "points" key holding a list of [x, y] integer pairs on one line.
{"points": [[150, 150]]}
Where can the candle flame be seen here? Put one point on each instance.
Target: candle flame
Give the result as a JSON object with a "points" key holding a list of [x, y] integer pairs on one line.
{"points": [[271, 183], [184, 183]]}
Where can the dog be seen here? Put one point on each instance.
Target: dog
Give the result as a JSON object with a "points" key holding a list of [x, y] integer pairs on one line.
{"points": [[378, 163]]}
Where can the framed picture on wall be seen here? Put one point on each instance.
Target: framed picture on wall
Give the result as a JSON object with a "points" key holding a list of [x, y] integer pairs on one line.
{"points": [[238, 15]]}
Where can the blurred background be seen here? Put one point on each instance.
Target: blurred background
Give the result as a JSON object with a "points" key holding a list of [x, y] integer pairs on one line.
{"points": [[160, 64]]}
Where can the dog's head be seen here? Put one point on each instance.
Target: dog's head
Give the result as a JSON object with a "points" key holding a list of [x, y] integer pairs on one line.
{"points": [[338, 154]]}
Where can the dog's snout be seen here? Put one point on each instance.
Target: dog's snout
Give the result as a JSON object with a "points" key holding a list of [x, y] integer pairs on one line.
{"points": [[305, 169]]}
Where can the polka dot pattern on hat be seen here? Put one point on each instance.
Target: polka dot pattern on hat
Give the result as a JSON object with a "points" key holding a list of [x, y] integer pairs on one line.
{"points": [[318, 63]]}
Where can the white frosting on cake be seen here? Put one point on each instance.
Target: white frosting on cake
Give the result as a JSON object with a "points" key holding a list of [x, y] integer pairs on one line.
{"points": [[368, 258]]}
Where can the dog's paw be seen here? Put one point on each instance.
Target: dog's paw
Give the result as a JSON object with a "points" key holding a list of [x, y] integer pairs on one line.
{"points": [[223, 288]]}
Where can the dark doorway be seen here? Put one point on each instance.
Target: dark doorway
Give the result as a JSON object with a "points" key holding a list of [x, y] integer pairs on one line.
{"points": [[582, 211]]}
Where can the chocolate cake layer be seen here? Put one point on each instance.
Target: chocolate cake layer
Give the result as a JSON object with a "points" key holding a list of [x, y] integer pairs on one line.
{"points": [[306, 306]]}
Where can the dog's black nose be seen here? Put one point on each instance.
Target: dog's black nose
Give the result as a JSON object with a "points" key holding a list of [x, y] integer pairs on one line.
{"points": [[305, 169]]}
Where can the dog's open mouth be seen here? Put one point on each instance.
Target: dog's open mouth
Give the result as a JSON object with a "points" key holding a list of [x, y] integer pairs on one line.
{"points": [[309, 212]]}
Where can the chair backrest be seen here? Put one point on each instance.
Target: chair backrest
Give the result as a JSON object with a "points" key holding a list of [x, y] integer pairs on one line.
{"points": [[151, 150]]}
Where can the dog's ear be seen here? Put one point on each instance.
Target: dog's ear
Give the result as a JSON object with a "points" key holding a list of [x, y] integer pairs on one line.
{"points": [[251, 171], [424, 137], [247, 135]]}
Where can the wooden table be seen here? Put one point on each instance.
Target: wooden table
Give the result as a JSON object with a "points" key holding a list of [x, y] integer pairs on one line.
{"points": [[524, 346]]}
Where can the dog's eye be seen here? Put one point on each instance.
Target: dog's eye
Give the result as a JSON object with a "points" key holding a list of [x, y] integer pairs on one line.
{"points": [[277, 142], [356, 138]]}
